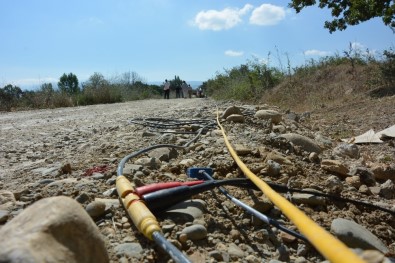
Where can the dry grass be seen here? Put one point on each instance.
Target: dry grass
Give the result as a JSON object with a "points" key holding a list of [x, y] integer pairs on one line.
{"points": [[326, 87]]}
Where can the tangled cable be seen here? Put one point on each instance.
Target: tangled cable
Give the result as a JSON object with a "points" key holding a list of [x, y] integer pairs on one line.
{"points": [[136, 203]]}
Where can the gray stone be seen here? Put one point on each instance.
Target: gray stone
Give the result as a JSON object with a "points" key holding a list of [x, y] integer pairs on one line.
{"points": [[96, 208], [364, 174], [304, 142], [186, 211], [235, 118], [133, 250], [195, 232], [308, 199], [334, 184], [150, 163], [387, 190], [231, 110], [275, 116], [356, 236], [273, 168], [235, 251], [131, 168], [46, 181], [109, 203], [347, 150], [164, 154], [82, 198], [55, 229]]}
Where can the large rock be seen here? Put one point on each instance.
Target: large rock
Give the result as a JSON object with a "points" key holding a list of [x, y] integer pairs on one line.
{"points": [[269, 114], [356, 236], [304, 142], [231, 110], [55, 229]]}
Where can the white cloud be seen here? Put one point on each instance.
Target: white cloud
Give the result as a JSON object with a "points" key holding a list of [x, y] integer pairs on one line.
{"points": [[315, 52], [232, 53], [220, 20], [267, 15]]}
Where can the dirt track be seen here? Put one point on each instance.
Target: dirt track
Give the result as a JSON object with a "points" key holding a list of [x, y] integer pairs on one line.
{"points": [[34, 142]]}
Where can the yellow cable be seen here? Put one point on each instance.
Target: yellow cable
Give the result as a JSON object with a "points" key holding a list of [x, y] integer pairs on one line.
{"points": [[330, 247]]}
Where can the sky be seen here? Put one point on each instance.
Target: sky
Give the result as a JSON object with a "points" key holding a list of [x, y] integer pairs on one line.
{"points": [[158, 39]]}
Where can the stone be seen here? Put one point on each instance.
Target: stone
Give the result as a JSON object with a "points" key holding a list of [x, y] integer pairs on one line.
{"points": [[187, 162], [275, 116], [334, 166], [66, 169], [109, 203], [231, 110], [346, 150], [242, 150], [235, 118], [96, 209], [383, 171], [287, 238], [314, 157], [235, 251], [354, 181], [278, 158], [365, 175], [186, 211], [304, 142], [150, 163], [163, 154], [273, 168], [133, 250], [55, 229], [334, 184], [387, 190], [308, 199], [195, 232], [356, 236]]}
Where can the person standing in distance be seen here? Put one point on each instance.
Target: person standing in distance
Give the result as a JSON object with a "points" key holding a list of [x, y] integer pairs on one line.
{"points": [[166, 88]]}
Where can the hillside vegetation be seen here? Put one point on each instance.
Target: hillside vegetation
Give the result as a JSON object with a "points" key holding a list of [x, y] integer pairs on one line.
{"points": [[327, 82]]}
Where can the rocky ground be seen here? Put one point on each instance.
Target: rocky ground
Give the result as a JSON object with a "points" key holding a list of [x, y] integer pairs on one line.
{"points": [[74, 152]]}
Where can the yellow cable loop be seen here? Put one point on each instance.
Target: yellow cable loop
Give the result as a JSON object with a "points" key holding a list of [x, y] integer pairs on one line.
{"points": [[330, 247]]}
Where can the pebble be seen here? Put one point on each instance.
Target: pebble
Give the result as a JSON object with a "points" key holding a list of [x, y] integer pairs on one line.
{"points": [[96, 208], [230, 110], [195, 232], [335, 166], [235, 251]]}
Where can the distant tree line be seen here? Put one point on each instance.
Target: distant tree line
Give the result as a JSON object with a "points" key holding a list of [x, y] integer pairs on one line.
{"points": [[70, 92]]}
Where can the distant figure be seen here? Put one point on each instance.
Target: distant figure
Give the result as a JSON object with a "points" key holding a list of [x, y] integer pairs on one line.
{"points": [[199, 92], [166, 88], [189, 91], [184, 88], [178, 90]]}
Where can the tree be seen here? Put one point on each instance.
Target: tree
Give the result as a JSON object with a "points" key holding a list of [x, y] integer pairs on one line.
{"points": [[9, 96], [68, 84], [96, 81], [351, 12]]}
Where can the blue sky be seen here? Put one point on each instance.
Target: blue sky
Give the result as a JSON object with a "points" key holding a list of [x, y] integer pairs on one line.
{"points": [[42, 39]]}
